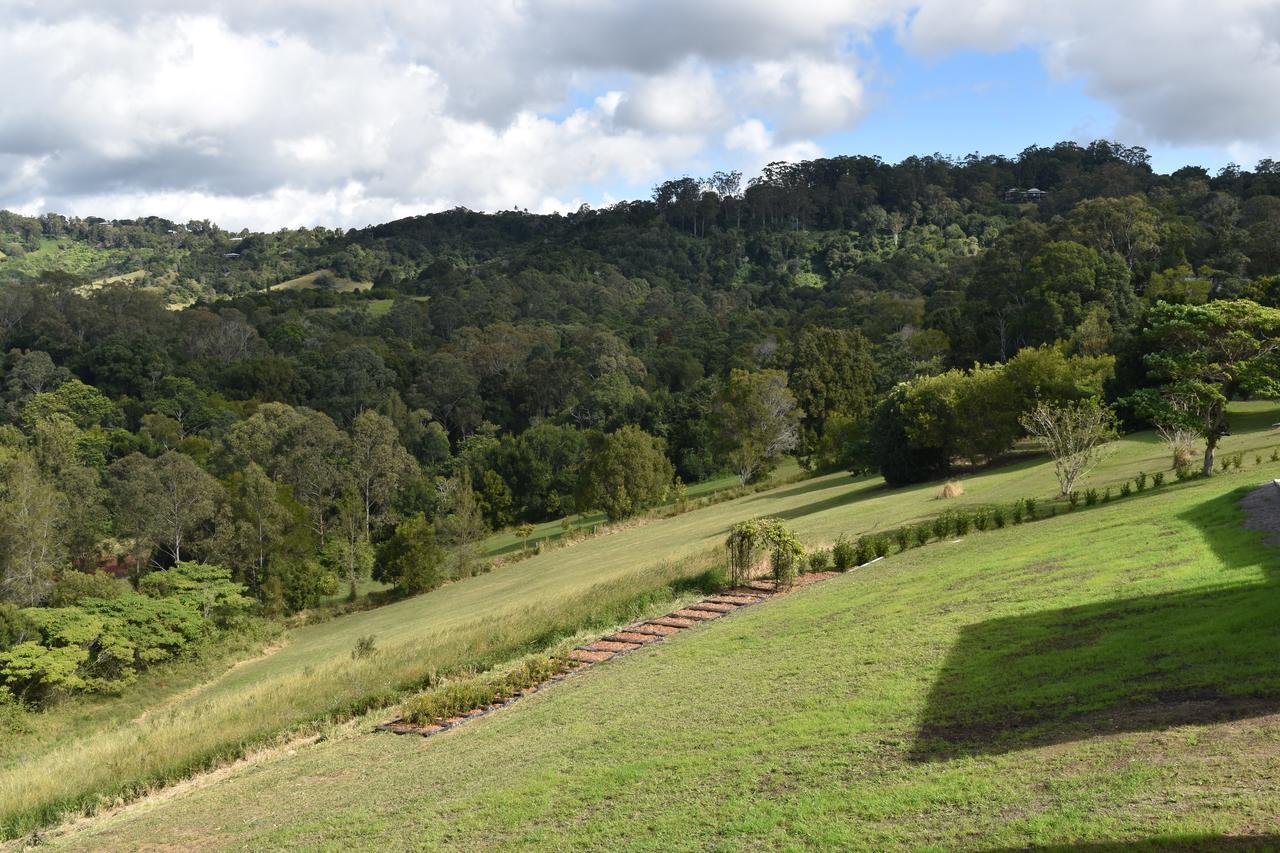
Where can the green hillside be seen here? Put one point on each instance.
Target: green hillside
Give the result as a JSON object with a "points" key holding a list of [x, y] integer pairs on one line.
{"points": [[1062, 681]]}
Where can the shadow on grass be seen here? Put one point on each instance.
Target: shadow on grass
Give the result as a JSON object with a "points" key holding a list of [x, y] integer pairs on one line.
{"points": [[1136, 664], [1163, 842]]}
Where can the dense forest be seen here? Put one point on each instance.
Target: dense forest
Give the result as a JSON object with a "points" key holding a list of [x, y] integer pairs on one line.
{"points": [[225, 447]]}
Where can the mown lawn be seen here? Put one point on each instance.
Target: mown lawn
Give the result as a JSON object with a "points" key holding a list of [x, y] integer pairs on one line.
{"points": [[1109, 676], [891, 632]]}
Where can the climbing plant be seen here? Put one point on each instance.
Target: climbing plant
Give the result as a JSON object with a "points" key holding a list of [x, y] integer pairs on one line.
{"points": [[748, 542]]}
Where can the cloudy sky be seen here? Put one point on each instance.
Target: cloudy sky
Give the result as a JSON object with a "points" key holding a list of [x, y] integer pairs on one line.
{"points": [[272, 113]]}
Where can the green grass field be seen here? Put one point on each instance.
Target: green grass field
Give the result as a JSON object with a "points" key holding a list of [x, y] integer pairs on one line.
{"points": [[309, 282], [1005, 689]]}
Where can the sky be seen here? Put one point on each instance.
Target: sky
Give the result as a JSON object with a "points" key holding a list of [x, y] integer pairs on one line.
{"points": [[305, 112]]}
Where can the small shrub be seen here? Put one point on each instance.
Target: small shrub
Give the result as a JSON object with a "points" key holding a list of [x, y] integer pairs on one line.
{"points": [[1091, 497], [902, 536], [1157, 479], [1031, 508], [1141, 481], [923, 531], [951, 489], [1015, 512], [1275, 454], [1125, 489], [880, 546], [843, 554], [1106, 495], [1073, 498], [865, 550], [1237, 459], [998, 517], [1182, 472], [1224, 463], [819, 560], [942, 526], [366, 647], [981, 519], [962, 522]]}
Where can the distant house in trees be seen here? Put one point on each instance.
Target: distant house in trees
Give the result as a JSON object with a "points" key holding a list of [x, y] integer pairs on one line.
{"points": [[1034, 195]]}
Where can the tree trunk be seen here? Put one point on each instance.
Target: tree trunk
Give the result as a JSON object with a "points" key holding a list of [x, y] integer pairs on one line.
{"points": [[1209, 447]]}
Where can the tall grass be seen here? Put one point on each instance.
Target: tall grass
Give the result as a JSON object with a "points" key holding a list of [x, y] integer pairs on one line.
{"points": [[126, 761]]}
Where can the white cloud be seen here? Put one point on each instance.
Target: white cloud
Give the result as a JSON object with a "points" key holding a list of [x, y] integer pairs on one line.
{"points": [[1186, 72], [322, 112]]}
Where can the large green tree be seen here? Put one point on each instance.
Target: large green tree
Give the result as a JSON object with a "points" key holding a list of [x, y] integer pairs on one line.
{"points": [[757, 422], [1204, 356], [624, 472]]}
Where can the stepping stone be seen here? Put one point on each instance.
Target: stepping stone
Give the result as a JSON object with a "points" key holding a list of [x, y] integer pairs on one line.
{"points": [[655, 628], [673, 622], [589, 657], [763, 586], [713, 607], [700, 615], [632, 637], [609, 646]]}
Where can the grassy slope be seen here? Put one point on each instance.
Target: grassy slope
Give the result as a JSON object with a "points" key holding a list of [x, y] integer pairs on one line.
{"points": [[1108, 674], [308, 282], [318, 660], [800, 722]]}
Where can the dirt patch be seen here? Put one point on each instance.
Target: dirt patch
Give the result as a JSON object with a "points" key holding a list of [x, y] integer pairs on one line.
{"points": [[1262, 511]]}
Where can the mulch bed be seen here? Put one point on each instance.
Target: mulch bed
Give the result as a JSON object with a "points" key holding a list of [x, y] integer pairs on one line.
{"points": [[626, 640]]}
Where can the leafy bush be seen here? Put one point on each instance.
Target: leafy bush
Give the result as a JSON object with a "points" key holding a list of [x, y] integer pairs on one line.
{"points": [[942, 526], [865, 550], [1015, 512], [902, 536], [880, 545], [1106, 495], [998, 517], [366, 647], [1141, 481], [1031, 508], [962, 522], [1183, 472], [981, 519], [1237, 459], [819, 560], [1073, 499], [1157, 479], [1125, 489], [1091, 497], [843, 555], [1275, 454], [923, 531]]}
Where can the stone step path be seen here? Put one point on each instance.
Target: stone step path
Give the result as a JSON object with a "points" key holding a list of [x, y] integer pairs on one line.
{"points": [[630, 638]]}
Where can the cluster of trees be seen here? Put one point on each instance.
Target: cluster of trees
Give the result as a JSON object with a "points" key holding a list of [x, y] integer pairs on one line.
{"points": [[512, 368]]}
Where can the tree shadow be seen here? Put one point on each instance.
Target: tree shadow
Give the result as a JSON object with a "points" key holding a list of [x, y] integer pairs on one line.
{"points": [[1204, 655]]}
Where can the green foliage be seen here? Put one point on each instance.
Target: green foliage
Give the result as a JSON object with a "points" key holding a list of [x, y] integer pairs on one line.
{"points": [[410, 560], [819, 560], [1125, 489], [1091, 497], [365, 648], [864, 550], [209, 590], [1141, 481], [624, 472], [844, 554], [1157, 479], [756, 422]]}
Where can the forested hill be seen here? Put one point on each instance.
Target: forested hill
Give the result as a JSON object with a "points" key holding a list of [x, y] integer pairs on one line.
{"points": [[328, 404]]}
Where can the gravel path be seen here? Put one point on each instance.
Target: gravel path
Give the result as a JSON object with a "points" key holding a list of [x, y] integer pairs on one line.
{"points": [[1262, 511]]}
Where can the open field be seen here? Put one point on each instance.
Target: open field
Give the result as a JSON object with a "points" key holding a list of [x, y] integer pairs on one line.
{"points": [[898, 622], [1110, 675], [310, 282]]}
